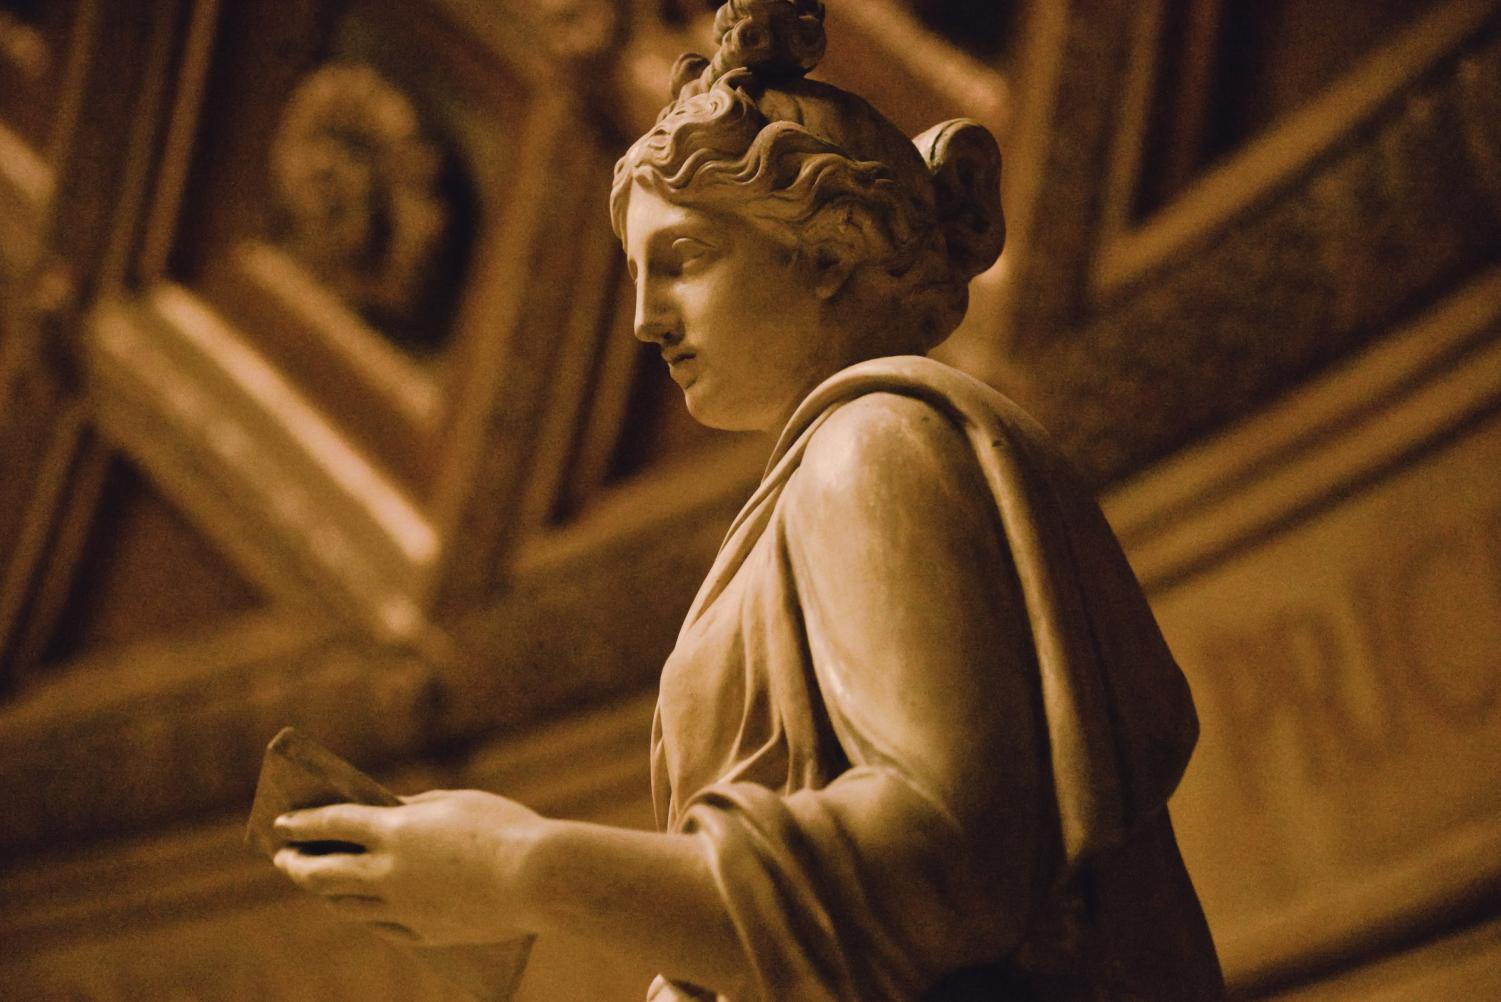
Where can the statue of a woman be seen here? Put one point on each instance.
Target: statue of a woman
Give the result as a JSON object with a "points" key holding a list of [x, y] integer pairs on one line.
{"points": [[917, 734]]}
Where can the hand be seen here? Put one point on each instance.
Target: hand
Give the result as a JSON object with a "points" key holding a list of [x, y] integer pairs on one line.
{"points": [[443, 868]]}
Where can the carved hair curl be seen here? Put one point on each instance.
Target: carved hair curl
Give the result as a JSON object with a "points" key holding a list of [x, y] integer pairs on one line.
{"points": [[821, 169]]}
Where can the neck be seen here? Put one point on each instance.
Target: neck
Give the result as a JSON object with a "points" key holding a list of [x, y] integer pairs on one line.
{"points": [[822, 374]]}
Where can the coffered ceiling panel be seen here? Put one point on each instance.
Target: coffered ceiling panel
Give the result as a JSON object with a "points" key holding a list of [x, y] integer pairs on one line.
{"points": [[362, 313]]}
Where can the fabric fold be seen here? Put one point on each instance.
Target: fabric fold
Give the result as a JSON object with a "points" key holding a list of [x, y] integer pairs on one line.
{"points": [[893, 817]]}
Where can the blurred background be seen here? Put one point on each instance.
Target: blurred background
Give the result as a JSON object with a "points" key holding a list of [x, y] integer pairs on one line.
{"points": [[319, 405]]}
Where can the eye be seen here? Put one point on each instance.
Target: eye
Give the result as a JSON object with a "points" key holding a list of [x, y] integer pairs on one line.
{"points": [[687, 251]]}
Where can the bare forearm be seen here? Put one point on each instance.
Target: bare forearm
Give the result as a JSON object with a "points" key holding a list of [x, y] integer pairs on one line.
{"points": [[647, 895]]}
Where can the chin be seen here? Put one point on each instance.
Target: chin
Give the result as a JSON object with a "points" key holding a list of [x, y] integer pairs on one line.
{"points": [[714, 414]]}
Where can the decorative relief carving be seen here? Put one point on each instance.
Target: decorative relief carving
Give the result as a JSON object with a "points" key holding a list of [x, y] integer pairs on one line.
{"points": [[359, 185]]}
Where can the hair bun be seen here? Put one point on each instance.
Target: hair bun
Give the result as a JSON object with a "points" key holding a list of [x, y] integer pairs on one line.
{"points": [[773, 38], [965, 164]]}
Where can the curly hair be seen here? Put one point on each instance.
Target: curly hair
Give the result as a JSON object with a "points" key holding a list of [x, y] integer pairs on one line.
{"points": [[822, 170]]}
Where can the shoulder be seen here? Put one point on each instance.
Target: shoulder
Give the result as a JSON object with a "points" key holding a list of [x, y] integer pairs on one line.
{"points": [[881, 449], [890, 500], [880, 435]]}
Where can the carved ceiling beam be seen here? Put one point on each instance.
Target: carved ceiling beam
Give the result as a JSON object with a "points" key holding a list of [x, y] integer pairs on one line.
{"points": [[163, 731], [1380, 193], [50, 166]]}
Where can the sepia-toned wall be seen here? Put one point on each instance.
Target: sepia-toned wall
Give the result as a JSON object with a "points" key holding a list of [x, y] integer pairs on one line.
{"points": [[319, 405]]}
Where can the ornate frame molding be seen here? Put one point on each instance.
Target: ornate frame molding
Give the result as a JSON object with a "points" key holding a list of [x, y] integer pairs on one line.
{"points": [[1369, 229], [1414, 387], [1128, 252]]}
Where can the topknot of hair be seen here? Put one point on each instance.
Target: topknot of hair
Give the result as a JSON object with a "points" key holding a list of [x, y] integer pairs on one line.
{"points": [[774, 40]]}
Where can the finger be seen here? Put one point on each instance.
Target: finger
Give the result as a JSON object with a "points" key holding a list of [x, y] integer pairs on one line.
{"points": [[356, 823], [340, 874], [419, 798]]}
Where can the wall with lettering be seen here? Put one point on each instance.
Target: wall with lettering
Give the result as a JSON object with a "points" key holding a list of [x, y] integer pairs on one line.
{"points": [[1341, 626]]}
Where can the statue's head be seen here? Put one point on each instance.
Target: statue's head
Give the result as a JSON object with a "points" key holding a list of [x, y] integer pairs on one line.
{"points": [[888, 230]]}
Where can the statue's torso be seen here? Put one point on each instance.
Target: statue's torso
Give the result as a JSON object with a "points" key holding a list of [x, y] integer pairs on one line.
{"points": [[741, 703]]}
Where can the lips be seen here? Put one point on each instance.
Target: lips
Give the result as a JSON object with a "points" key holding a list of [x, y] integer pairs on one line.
{"points": [[679, 366]]}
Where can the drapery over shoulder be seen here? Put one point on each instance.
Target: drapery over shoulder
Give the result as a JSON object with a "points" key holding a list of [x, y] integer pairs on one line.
{"points": [[865, 777], [1120, 720]]}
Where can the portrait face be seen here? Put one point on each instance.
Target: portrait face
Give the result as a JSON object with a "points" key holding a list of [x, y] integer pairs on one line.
{"points": [[739, 319]]}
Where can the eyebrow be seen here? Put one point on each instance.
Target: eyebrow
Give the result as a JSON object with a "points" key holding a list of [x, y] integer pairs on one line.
{"points": [[663, 239], [687, 228]]}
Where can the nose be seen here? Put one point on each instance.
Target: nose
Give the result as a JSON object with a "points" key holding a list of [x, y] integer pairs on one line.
{"points": [[656, 318]]}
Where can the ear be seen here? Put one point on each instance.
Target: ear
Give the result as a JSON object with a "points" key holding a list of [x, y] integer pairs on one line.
{"points": [[832, 266]]}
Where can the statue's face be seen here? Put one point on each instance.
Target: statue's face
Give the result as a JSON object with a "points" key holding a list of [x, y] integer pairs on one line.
{"points": [[740, 321]]}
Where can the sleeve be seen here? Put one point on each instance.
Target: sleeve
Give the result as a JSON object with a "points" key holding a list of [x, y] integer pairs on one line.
{"points": [[926, 855]]}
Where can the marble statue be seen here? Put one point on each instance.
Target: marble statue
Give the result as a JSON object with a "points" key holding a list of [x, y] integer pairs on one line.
{"points": [[919, 729]]}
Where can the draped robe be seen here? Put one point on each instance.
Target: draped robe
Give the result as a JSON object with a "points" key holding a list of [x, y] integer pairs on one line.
{"points": [[895, 807]]}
